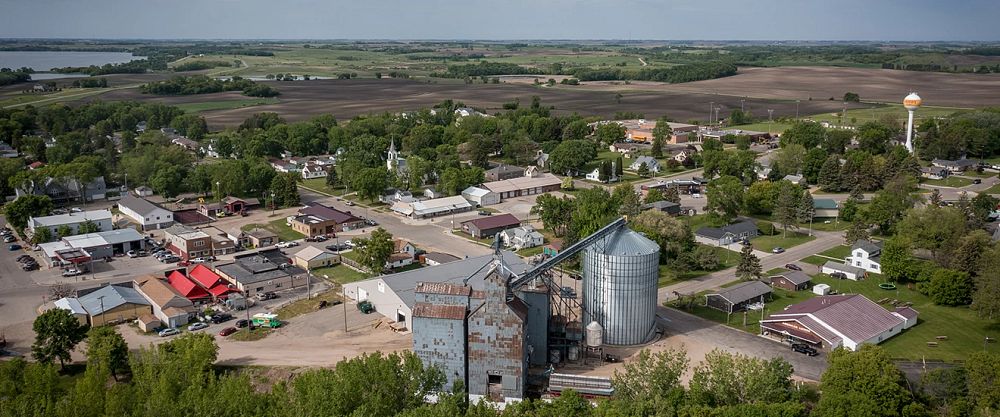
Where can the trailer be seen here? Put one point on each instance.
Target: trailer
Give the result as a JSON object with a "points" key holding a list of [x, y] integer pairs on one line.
{"points": [[586, 386]]}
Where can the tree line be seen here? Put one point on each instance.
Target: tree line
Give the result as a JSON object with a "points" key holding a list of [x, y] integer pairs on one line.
{"points": [[201, 84], [13, 76]]}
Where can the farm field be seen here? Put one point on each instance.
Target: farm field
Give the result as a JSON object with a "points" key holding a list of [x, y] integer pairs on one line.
{"points": [[225, 105]]}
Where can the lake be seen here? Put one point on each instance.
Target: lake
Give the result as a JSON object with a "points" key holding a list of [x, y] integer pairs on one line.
{"points": [[46, 60]]}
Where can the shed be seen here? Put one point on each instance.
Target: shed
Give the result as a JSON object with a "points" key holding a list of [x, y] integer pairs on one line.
{"points": [[148, 322], [821, 289], [312, 257], [791, 280], [826, 208], [739, 296], [481, 197]]}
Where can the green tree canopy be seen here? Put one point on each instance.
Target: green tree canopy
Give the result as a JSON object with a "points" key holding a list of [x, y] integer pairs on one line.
{"points": [[56, 334]]}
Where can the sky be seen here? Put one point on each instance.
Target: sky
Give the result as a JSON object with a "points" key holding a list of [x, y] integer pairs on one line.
{"points": [[879, 20]]}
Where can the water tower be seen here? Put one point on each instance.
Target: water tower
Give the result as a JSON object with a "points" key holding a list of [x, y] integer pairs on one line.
{"points": [[912, 103]]}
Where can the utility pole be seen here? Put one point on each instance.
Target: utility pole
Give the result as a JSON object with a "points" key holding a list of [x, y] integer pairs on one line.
{"points": [[101, 298], [741, 104], [711, 109], [797, 109]]}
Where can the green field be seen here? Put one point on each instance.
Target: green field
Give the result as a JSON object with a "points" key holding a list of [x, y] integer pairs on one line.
{"points": [[774, 127], [225, 105], [993, 190], [954, 182], [766, 243], [319, 185], [839, 252], [875, 112], [934, 321], [340, 274], [727, 259], [278, 227]]}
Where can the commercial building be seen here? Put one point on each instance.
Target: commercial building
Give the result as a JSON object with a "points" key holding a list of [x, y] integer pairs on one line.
{"points": [[186, 242], [263, 271], [432, 208], [210, 281], [73, 306], [187, 288], [253, 238], [311, 257], [92, 246], [101, 219], [437, 258], [147, 215], [739, 297], [170, 307], [503, 172], [489, 226], [540, 183], [832, 321], [316, 219], [112, 304], [481, 197], [228, 206]]}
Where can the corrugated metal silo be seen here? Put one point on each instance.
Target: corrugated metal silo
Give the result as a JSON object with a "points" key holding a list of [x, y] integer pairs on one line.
{"points": [[620, 274]]}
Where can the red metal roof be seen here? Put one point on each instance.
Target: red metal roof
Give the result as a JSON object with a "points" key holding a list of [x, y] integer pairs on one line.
{"points": [[209, 280], [186, 287]]}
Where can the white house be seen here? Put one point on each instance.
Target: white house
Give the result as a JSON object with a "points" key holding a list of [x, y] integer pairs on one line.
{"points": [[521, 238], [595, 175], [866, 255], [146, 214], [850, 272], [481, 197], [314, 171], [651, 163]]}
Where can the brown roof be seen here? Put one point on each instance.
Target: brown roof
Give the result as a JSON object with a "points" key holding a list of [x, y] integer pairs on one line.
{"points": [[159, 291], [399, 256], [442, 288], [443, 311], [494, 222], [328, 213], [854, 316], [148, 319], [907, 312], [399, 244], [174, 312], [795, 277]]}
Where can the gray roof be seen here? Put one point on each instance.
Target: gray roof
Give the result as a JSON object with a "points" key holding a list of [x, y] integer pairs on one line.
{"points": [[873, 248], [648, 160], [626, 242], [795, 277], [260, 266], [440, 257], [72, 218], [837, 266], [404, 283], [113, 296], [744, 291], [662, 205], [503, 168], [954, 163], [825, 203], [140, 205], [735, 228]]}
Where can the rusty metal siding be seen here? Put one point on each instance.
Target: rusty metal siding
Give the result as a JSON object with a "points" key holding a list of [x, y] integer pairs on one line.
{"points": [[496, 344], [537, 330], [441, 343]]}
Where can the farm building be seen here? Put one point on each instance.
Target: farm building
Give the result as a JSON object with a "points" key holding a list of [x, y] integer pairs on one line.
{"points": [[738, 297], [539, 183], [832, 321]]}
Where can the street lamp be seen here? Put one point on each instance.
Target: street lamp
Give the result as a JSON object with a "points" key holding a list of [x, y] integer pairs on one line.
{"points": [[272, 203]]}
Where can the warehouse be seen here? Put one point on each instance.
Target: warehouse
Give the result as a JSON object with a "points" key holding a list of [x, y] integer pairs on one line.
{"points": [[517, 187], [831, 321], [432, 208], [95, 245], [487, 227], [102, 219], [481, 197], [264, 271], [147, 215]]}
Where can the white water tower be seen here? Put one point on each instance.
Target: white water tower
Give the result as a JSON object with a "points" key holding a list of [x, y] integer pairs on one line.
{"points": [[912, 103]]}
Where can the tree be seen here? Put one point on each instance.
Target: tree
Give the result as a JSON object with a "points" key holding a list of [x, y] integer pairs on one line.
{"points": [[371, 182], [725, 196], [950, 288], [56, 334], [673, 235], [852, 97], [168, 180], [896, 260], [849, 209], [284, 188], [936, 229], [88, 226], [761, 197], [791, 159], [651, 381], [619, 167], [107, 348], [857, 231], [19, 210], [604, 171], [672, 195], [986, 299], [571, 155], [609, 133], [643, 170], [983, 378], [42, 235], [971, 247], [862, 383], [725, 378], [661, 134], [555, 213], [787, 204], [829, 174], [628, 200], [749, 267], [656, 194], [806, 209], [331, 178], [64, 230], [374, 251], [807, 134]]}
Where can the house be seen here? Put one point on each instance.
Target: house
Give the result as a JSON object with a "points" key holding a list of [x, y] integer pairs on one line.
{"points": [[668, 207], [253, 238], [954, 166], [850, 272], [392, 195], [262, 271], [65, 190], [626, 149], [736, 232], [113, 303], [187, 288], [541, 159], [504, 172], [432, 193], [100, 219], [517, 187], [72, 304], [523, 237], [143, 191], [866, 254], [826, 208], [82, 248], [404, 246], [284, 166], [432, 208], [763, 173], [185, 143], [437, 258], [791, 280], [832, 321], [227, 206], [481, 197], [311, 257], [147, 215], [651, 163], [934, 173], [794, 179], [186, 242], [683, 186], [316, 219], [315, 171], [739, 297], [489, 226], [210, 281], [680, 157], [36, 165], [6, 151], [595, 176], [168, 305], [469, 111]]}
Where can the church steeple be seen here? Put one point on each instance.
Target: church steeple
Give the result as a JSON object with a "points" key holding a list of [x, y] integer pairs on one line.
{"points": [[392, 159]]}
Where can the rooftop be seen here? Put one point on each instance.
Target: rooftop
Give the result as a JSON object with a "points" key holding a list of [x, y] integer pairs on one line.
{"points": [[744, 291], [441, 311], [521, 183], [328, 213], [71, 218], [493, 222], [795, 277], [440, 257], [110, 297], [853, 316], [185, 232], [138, 204], [735, 228]]}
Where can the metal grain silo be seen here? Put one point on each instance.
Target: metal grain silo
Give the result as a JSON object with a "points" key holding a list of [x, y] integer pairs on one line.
{"points": [[620, 275]]}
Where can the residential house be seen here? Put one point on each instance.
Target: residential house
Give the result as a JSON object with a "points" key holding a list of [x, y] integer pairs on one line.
{"points": [[6, 151], [311, 257], [101, 219], [185, 143], [437, 258], [826, 208], [316, 219], [432, 193], [524, 186], [668, 207], [481, 197], [504, 172], [469, 111], [284, 166], [112, 304], [432, 208], [794, 179], [832, 321], [651, 163], [541, 159], [736, 232], [147, 215], [552, 249], [168, 305], [850, 272], [683, 186], [36, 165], [791, 280], [489, 226], [143, 191], [311, 171], [626, 149], [739, 297], [65, 190], [186, 242], [595, 176], [523, 237], [934, 173], [680, 157], [262, 271], [392, 195], [955, 166], [867, 255]]}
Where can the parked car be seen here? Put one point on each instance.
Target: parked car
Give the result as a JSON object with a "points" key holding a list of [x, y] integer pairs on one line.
{"points": [[804, 349], [72, 272], [24, 258], [221, 317], [320, 238], [76, 210], [228, 331], [266, 296], [839, 275], [168, 332], [197, 326], [288, 244], [793, 267], [29, 267], [778, 249], [485, 213], [170, 259], [337, 247], [241, 323], [349, 203], [9, 239], [14, 247], [977, 181], [349, 243], [132, 254], [371, 222], [695, 195]]}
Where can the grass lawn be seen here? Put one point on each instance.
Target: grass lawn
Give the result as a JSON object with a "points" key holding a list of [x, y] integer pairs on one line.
{"points": [[278, 226], [766, 243], [993, 190], [954, 182], [780, 299], [225, 105], [529, 252], [839, 252], [820, 224], [305, 305], [341, 274], [774, 127], [815, 260], [727, 259], [972, 173], [875, 112], [319, 184], [352, 255], [247, 335]]}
